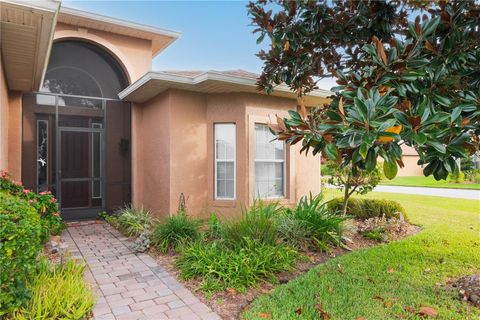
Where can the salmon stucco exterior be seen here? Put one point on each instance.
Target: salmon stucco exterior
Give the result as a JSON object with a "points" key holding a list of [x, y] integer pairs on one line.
{"points": [[83, 115]]}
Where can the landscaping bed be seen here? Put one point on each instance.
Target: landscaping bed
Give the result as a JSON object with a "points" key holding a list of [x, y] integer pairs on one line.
{"points": [[229, 263], [229, 304], [408, 279]]}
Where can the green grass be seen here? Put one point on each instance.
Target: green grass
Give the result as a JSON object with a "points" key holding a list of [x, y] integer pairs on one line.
{"points": [[346, 287], [430, 182]]}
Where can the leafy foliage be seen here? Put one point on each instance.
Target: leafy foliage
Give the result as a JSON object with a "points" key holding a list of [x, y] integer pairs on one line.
{"points": [[59, 292], [361, 208], [352, 180], [214, 226], [400, 82], [20, 235], [44, 203], [221, 267], [133, 221], [178, 229], [257, 223], [311, 224]]}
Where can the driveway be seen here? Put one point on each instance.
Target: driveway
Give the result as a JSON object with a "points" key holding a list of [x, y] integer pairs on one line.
{"points": [[129, 285], [436, 192]]}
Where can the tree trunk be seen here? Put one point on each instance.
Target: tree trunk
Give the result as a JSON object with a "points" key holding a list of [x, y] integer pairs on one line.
{"points": [[345, 199]]}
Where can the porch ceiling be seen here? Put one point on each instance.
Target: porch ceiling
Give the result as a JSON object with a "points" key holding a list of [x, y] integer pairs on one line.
{"points": [[26, 34], [154, 83]]}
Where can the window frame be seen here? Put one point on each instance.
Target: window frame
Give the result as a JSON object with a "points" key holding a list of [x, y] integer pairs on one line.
{"points": [[215, 162], [255, 160]]}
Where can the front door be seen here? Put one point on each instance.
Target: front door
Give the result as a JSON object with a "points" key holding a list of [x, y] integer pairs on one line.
{"points": [[81, 183]]}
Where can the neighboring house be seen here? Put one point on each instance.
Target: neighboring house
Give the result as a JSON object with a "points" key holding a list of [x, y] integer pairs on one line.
{"points": [[410, 159], [82, 115]]}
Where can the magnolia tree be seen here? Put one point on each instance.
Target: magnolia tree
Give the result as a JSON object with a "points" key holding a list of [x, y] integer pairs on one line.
{"points": [[408, 72]]}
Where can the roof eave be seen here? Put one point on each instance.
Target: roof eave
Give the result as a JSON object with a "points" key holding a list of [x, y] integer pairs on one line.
{"points": [[127, 93]]}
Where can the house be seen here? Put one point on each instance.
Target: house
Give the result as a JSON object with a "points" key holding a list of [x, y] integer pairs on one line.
{"points": [[83, 115]]}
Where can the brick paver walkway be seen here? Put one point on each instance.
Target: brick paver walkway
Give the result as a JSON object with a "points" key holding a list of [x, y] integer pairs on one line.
{"points": [[129, 285]]}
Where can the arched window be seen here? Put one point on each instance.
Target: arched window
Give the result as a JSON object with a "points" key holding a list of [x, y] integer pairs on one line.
{"points": [[80, 68]]}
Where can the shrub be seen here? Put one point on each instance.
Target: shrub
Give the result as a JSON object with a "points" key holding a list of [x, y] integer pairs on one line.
{"points": [[477, 178], [258, 223], [320, 225], [130, 220], [44, 203], [59, 292], [369, 208], [20, 233], [177, 230], [457, 177], [220, 266]]}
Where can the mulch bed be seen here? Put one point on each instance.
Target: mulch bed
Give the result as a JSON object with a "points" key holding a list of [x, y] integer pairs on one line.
{"points": [[229, 304]]}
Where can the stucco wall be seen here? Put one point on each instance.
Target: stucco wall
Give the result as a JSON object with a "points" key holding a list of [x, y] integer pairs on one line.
{"points": [[151, 175], [3, 120], [410, 158], [175, 136]]}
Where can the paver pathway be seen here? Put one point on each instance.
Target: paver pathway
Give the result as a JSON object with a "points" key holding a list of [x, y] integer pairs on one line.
{"points": [[129, 285]]}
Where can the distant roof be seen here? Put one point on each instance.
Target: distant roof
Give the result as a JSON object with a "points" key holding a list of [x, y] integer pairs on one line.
{"points": [[210, 81], [161, 38]]}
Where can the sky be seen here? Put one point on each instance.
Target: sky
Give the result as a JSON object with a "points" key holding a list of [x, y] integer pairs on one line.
{"points": [[215, 35]]}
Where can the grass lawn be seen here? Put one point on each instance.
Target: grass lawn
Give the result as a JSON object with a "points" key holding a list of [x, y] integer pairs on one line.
{"points": [[379, 282], [420, 181]]}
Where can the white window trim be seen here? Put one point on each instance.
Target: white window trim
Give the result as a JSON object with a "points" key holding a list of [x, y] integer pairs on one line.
{"points": [[99, 126], [284, 161], [234, 160]]}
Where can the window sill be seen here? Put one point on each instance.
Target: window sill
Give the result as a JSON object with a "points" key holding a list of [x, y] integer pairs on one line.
{"points": [[223, 203]]}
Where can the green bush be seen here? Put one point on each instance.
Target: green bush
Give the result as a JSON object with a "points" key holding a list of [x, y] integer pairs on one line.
{"points": [[20, 239], [177, 230], [369, 208], [477, 178], [130, 220], [458, 177], [220, 266], [58, 292], [257, 223], [311, 224], [44, 203]]}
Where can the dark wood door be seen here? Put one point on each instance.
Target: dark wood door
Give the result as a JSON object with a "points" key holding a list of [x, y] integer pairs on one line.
{"points": [[75, 164]]}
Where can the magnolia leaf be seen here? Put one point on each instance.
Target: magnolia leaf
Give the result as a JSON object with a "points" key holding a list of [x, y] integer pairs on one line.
{"points": [[340, 107], [390, 169], [440, 147], [428, 312], [331, 151], [264, 315], [281, 123]]}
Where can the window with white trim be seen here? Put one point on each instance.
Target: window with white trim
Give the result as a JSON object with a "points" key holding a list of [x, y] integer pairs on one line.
{"points": [[269, 164], [225, 149]]}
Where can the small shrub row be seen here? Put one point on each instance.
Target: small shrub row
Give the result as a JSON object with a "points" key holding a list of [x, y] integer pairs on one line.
{"points": [[59, 292], [369, 208]]}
